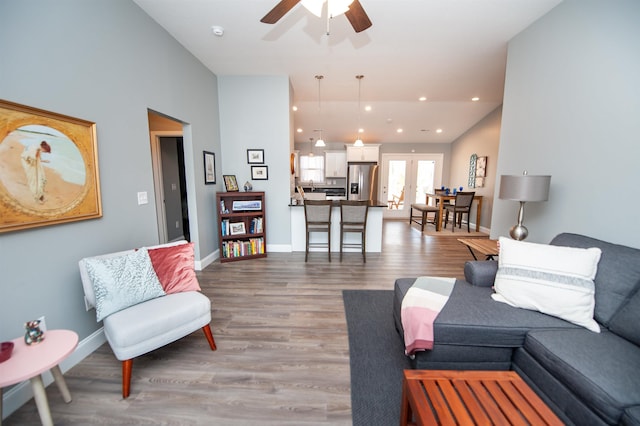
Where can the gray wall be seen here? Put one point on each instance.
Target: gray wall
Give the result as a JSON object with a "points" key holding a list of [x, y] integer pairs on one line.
{"points": [[572, 110], [105, 61], [483, 140], [255, 114]]}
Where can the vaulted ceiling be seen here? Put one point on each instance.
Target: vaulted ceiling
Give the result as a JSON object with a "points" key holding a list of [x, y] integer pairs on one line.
{"points": [[448, 51]]}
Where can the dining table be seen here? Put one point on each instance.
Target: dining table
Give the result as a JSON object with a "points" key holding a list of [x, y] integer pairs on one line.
{"points": [[440, 200]]}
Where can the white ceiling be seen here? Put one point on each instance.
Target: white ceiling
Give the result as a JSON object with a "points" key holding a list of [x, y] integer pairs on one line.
{"points": [[446, 50]]}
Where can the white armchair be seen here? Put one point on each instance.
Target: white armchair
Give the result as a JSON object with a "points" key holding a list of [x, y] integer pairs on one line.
{"points": [[151, 324]]}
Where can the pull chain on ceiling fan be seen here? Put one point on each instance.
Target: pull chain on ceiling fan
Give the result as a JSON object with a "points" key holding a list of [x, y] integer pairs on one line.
{"points": [[353, 10]]}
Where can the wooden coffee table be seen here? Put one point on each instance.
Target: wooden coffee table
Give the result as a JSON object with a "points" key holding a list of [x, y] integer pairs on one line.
{"points": [[488, 248], [443, 397]]}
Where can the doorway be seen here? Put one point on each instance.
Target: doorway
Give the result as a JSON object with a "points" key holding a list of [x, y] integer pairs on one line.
{"points": [[169, 178], [406, 178]]}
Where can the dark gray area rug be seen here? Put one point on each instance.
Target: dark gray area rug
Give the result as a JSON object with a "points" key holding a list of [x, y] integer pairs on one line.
{"points": [[376, 355]]}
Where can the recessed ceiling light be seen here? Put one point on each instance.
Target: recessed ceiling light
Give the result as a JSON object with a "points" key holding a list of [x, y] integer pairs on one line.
{"points": [[399, 130], [475, 99], [438, 130], [299, 130], [367, 108], [422, 98], [295, 108], [360, 130], [217, 30]]}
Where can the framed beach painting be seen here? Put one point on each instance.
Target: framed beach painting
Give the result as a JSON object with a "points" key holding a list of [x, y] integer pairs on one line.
{"points": [[48, 168]]}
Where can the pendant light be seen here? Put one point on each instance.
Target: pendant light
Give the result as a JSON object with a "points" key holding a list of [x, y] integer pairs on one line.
{"points": [[320, 141], [358, 141], [310, 147]]}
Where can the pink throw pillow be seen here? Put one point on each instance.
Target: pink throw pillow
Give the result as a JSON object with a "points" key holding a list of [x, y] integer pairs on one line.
{"points": [[174, 268]]}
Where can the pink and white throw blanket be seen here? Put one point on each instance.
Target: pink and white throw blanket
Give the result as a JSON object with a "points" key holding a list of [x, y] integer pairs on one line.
{"points": [[420, 307]]}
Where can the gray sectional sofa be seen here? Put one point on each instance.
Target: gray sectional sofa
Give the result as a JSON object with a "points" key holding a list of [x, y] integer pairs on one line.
{"points": [[586, 378]]}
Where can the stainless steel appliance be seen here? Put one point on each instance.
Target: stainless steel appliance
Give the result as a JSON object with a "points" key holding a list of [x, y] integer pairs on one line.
{"points": [[363, 181]]}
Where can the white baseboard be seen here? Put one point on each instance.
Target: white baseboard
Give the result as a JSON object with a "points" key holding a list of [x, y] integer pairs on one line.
{"points": [[279, 248], [20, 394], [208, 260]]}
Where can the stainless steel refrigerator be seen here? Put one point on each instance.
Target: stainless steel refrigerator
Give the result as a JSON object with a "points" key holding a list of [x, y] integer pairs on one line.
{"points": [[363, 181]]}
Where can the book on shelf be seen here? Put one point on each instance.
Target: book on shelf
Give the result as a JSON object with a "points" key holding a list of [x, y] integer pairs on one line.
{"points": [[224, 227], [255, 227], [243, 247]]}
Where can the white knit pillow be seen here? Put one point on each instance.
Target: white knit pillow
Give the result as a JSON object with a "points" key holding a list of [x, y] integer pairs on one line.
{"points": [[554, 280], [122, 281]]}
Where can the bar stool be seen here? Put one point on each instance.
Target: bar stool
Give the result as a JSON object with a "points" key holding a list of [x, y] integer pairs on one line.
{"points": [[317, 218], [353, 218]]}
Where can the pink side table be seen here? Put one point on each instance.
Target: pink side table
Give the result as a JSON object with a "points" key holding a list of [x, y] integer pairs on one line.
{"points": [[29, 362]]}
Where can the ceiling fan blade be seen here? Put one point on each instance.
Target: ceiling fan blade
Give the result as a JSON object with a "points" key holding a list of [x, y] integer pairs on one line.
{"points": [[358, 17], [279, 11]]}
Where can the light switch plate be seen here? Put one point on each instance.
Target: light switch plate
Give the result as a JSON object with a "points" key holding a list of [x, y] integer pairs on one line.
{"points": [[142, 198]]}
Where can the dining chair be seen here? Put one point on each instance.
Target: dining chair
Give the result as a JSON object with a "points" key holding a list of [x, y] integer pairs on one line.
{"points": [[317, 217], [396, 200], [462, 205], [353, 219]]}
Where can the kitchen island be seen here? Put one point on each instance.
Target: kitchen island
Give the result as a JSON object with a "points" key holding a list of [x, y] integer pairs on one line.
{"points": [[374, 229]]}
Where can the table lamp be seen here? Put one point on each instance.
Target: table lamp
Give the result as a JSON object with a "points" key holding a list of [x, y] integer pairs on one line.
{"points": [[523, 188]]}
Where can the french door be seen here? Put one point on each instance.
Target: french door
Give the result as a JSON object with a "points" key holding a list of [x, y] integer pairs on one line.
{"points": [[405, 179]]}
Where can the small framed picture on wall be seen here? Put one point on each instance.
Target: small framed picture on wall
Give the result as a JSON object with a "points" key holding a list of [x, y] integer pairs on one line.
{"points": [[209, 168], [259, 172], [255, 156]]}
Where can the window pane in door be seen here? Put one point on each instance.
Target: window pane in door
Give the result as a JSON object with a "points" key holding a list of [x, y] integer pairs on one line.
{"points": [[424, 180], [395, 185]]}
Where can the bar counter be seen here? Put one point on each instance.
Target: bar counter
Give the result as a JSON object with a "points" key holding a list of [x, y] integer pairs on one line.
{"points": [[374, 229]]}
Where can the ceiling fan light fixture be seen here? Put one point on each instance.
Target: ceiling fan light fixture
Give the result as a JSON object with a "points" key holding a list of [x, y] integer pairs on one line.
{"points": [[335, 7]]}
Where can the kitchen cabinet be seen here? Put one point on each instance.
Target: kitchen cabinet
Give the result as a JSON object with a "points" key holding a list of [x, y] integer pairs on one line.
{"points": [[368, 153], [335, 164]]}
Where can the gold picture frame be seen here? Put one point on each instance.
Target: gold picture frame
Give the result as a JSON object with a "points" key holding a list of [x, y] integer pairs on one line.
{"points": [[230, 183], [48, 168]]}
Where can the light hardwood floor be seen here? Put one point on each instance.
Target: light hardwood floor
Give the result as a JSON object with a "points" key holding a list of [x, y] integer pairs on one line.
{"points": [[283, 354]]}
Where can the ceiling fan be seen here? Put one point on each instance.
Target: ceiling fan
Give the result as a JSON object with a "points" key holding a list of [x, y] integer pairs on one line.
{"points": [[352, 9]]}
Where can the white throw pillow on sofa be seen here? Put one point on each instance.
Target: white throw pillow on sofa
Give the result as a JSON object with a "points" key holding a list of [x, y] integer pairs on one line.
{"points": [[554, 280]]}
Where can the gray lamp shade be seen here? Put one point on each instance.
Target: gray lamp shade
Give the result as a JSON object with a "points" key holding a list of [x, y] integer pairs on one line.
{"points": [[524, 187]]}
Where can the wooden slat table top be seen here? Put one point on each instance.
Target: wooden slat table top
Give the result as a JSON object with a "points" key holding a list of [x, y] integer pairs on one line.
{"points": [[483, 246], [444, 397]]}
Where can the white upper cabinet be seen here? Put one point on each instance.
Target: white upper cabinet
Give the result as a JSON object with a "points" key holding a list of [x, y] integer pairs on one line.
{"points": [[368, 153], [335, 164]]}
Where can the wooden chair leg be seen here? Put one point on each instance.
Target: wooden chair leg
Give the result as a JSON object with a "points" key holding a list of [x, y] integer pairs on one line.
{"points": [[306, 250], [342, 239], [329, 243], [127, 366], [364, 244], [209, 335]]}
